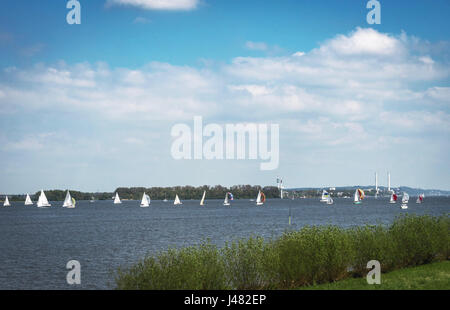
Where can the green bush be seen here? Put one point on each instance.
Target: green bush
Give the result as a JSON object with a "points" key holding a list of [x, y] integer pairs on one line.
{"points": [[419, 239], [192, 268], [250, 264], [371, 243], [312, 255]]}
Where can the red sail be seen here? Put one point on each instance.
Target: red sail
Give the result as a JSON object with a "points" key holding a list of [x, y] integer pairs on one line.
{"points": [[263, 197], [395, 197]]}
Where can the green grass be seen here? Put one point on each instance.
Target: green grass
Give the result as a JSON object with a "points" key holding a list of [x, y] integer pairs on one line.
{"points": [[434, 276]]}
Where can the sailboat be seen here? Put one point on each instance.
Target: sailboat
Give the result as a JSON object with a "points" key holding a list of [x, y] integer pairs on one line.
{"points": [[358, 197], [117, 199], [6, 202], [405, 200], [393, 198], [228, 198], [202, 202], [330, 201], [420, 198], [145, 202], [69, 202], [177, 201], [325, 196], [260, 199], [28, 201], [42, 201], [92, 199]]}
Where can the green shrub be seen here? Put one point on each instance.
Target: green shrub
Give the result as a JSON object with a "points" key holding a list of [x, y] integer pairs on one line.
{"points": [[419, 239], [371, 243], [192, 268], [250, 264], [312, 255]]}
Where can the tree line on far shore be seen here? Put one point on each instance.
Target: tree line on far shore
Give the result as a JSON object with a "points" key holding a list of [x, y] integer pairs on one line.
{"points": [[187, 193], [160, 193]]}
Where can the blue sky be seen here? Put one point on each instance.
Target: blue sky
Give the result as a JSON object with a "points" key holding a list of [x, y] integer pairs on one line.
{"points": [[91, 106]]}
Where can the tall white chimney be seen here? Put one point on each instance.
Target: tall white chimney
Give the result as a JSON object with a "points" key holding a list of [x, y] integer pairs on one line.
{"points": [[389, 181], [376, 182]]}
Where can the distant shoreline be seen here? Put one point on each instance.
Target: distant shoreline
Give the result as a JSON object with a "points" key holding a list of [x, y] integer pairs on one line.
{"points": [[218, 192]]}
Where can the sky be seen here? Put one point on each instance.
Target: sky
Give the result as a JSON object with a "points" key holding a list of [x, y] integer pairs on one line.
{"points": [[91, 106]]}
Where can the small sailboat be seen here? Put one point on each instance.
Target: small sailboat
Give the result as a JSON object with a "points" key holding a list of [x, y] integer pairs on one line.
{"points": [[92, 199], [145, 202], [330, 201], [165, 199], [405, 200], [69, 201], [28, 201], [358, 197], [228, 198], [177, 201], [117, 199], [325, 196], [42, 201], [393, 198], [202, 202], [260, 199], [6, 202], [420, 198]]}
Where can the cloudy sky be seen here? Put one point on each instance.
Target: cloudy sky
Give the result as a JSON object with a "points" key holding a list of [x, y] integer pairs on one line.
{"points": [[91, 106]]}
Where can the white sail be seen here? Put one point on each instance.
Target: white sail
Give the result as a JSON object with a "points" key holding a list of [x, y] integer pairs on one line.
{"points": [[393, 198], [68, 201], [6, 202], [330, 201], [145, 202], [177, 200], [42, 201], [202, 202], [405, 198], [226, 202], [28, 201], [356, 197], [259, 200], [117, 199], [325, 196]]}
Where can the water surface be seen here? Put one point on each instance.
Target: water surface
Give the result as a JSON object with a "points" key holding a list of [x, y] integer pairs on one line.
{"points": [[36, 244]]}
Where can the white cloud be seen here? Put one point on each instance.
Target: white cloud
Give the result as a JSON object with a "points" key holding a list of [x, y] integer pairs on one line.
{"points": [[347, 86], [170, 5], [256, 46], [134, 141], [364, 41], [298, 54]]}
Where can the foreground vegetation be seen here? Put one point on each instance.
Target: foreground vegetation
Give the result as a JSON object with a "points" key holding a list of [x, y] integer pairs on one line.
{"points": [[310, 256], [435, 276]]}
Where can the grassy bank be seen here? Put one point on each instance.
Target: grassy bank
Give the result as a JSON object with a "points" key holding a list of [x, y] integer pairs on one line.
{"points": [[310, 256], [435, 276]]}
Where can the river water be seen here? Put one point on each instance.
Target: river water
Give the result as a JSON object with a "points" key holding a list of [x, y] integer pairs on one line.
{"points": [[36, 244]]}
